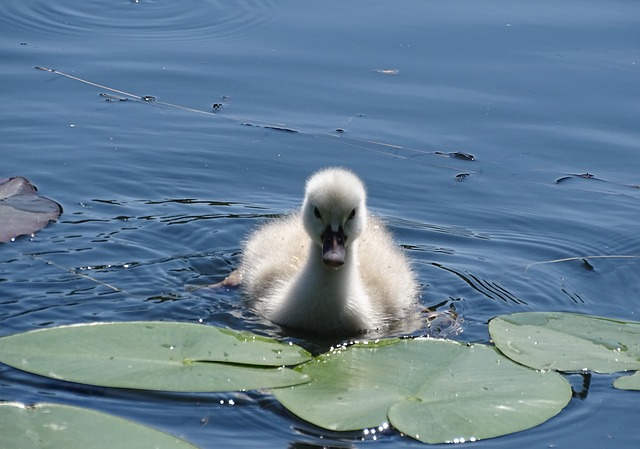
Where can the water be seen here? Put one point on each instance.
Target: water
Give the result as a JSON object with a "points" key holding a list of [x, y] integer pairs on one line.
{"points": [[157, 198]]}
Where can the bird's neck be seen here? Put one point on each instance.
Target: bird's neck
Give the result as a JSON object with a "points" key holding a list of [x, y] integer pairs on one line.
{"points": [[336, 283], [336, 298]]}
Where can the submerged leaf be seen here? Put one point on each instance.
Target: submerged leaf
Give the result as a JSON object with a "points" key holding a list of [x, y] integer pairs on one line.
{"points": [[433, 390], [166, 356], [568, 341], [22, 211], [62, 426]]}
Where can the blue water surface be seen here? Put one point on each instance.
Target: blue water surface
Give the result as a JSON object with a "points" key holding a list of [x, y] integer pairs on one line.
{"points": [[157, 198]]}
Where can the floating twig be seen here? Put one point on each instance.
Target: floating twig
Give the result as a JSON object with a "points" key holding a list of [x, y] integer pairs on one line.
{"points": [[82, 275], [153, 99], [384, 148], [584, 260]]}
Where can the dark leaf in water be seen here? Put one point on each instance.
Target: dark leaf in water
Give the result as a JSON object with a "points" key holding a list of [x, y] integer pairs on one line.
{"points": [[22, 211], [462, 155], [282, 128], [458, 155], [574, 175], [587, 265], [109, 97]]}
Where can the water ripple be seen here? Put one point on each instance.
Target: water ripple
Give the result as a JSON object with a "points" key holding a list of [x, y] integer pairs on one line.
{"points": [[489, 289], [191, 20]]}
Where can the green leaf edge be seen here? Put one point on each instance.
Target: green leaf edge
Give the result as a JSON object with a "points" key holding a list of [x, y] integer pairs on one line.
{"points": [[37, 421], [278, 373], [628, 382], [399, 427], [624, 382], [542, 317]]}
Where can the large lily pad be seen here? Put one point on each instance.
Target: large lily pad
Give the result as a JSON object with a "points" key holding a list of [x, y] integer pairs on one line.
{"points": [[22, 211], [568, 341], [433, 390], [166, 356], [61, 426]]}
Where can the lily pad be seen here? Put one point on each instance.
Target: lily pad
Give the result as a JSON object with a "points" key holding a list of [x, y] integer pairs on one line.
{"points": [[167, 356], [22, 211], [568, 341], [43, 426], [628, 382], [436, 391]]}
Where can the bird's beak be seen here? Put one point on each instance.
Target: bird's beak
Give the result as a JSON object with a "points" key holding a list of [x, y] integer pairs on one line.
{"points": [[333, 251]]}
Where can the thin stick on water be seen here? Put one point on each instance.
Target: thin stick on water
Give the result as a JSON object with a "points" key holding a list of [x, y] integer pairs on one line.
{"points": [[110, 89], [387, 149], [153, 99], [350, 141], [570, 259], [81, 275], [374, 146]]}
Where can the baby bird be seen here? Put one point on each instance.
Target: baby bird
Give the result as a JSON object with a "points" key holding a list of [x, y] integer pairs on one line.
{"points": [[330, 268]]}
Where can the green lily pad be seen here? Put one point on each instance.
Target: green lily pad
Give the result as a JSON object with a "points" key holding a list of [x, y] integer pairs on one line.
{"points": [[62, 426], [628, 382], [433, 390], [165, 356], [568, 341]]}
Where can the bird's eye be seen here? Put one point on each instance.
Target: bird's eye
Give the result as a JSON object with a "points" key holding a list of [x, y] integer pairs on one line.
{"points": [[352, 215], [316, 212]]}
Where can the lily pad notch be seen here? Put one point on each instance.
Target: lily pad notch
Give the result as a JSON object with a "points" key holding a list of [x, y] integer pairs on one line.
{"points": [[436, 391], [433, 390]]}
